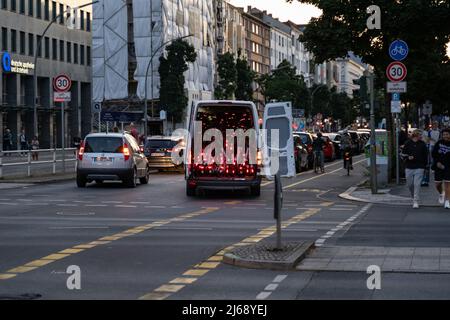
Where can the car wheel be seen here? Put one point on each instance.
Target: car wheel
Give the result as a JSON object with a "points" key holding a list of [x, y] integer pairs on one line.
{"points": [[131, 181], [256, 191], [190, 191], [81, 181], [146, 178]]}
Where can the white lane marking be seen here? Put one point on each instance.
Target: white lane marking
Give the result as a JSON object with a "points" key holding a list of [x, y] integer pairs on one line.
{"points": [[8, 204], [112, 202], [24, 200], [57, 200], [271, 287], [319, 242], [35, 204], [263, 295], [137, 202], [96, 205], [302, 230], [63, 228], [75, 213], [341, 209], [67, 205], [156, 207], [317, 177], [124, 206]]}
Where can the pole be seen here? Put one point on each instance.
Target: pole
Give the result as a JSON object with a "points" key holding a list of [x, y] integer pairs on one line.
{"points": [[277, 208], [397, 150], [63, 136], [373, 151]]}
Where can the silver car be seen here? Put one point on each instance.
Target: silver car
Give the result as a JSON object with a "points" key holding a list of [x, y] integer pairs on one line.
{"points": [[111, 156]]}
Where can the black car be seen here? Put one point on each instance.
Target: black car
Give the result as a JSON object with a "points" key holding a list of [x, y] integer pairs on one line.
{"points": [[158, 151]]}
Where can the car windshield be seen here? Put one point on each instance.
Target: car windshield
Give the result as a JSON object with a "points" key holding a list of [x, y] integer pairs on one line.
{"points": [[103, 145], [305, 138], [161, 144]]}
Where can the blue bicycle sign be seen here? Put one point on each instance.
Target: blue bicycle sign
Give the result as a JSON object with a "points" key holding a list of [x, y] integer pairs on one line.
{"points": [[398, 50]]}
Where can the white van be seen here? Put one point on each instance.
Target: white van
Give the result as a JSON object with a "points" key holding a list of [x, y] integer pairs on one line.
{"points": [[200, 173]]}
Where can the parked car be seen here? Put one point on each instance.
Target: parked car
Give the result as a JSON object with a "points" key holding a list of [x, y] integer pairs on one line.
{"points": [[301, 154], [307, 140], [111, 156], [158, 150], [328, 149], [336, 140]]}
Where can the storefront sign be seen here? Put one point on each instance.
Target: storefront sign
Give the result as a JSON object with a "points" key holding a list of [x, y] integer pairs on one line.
{"points": [[15, 66]]}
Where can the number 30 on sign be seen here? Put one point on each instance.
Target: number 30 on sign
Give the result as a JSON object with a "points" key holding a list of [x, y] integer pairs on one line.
{"points": [[396, 71]]}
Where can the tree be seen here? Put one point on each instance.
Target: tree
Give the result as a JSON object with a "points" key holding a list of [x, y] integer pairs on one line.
{"points": [[283, 84], [226, 68], [171, 72], [245, 79], [320, 100], [342, 107]]}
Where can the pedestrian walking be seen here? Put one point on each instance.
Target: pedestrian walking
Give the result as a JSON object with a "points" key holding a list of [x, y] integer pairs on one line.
{"points": [[441, 167], [7, 141], [23, 142], [415, 154], [34, 147], [430, 137]]}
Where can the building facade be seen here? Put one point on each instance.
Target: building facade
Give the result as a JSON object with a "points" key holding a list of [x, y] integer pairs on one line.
{"points": [[63, 51], [349, 69]]}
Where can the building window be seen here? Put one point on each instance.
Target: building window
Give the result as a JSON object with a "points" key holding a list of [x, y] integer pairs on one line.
{"points": [[88, 55], [39, 48], [88, 21], [22, 42], [4, 39], [69, 52], [13, 40], [31, 44], [46, 10], [61, 13], [81, 54], [61, 50], [22, 7], [13, 5], [47, 47], [39, 9], [30, 8], [54, 49], [75, 53], [81, 19], [53, 11], [5, 4]]}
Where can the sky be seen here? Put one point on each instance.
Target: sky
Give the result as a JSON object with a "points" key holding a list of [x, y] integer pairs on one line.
{"points": [[295, 11]]}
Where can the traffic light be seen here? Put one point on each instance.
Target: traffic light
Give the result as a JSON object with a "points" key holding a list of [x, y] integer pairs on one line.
{"points": [[362, 91]]}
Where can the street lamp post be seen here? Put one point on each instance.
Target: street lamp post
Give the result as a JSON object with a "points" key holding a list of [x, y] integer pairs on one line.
{"points": [[312, 99], [39, 45], [150, 63]]}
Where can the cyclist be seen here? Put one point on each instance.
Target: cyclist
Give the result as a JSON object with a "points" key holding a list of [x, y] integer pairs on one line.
{"points": [[347, 146], [318, 146]]}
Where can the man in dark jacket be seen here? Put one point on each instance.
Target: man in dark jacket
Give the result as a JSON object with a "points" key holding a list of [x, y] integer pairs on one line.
{"points": [[441, 167], [415, 153]]}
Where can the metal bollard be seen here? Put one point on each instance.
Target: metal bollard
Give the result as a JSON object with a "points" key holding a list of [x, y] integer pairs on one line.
{"points": [[29, 164], [54, 161]]}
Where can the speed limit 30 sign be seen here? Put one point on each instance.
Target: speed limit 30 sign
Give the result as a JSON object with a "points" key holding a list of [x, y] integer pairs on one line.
{"points": [[62, 83], [396, 71]]}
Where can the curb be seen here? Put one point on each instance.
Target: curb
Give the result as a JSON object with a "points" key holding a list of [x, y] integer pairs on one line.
{"points": [[347, 195], [289, 264]]}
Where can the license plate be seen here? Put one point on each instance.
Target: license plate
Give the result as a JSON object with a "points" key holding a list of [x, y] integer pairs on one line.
{"points": [[158, 154], [103, 159]]}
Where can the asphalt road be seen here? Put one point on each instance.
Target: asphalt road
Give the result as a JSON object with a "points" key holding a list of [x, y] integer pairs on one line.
{"points": [[153, 242]]}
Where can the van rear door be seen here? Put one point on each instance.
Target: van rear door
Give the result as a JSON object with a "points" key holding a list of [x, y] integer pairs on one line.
{"points": [[278, 116]]}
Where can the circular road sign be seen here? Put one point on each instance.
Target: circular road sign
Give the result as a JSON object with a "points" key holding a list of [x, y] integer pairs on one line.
{"points": [[396, 71], [398, 50], [62, 83]]}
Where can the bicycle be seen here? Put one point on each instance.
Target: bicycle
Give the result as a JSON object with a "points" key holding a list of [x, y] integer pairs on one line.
{"points": [[318, 162], [398, 50]]}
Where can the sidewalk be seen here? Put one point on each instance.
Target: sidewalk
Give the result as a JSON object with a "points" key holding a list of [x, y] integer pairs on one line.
{"points": [[38, 179], [393, 195]]}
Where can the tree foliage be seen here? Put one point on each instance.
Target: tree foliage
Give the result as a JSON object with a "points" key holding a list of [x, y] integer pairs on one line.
{"points": [[227, 72], [245, 77], [171, 71], [424, 25], [283, 84]]}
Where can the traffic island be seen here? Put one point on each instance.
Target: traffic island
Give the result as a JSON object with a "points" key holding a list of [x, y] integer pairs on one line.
{"points": [[266, 256]]}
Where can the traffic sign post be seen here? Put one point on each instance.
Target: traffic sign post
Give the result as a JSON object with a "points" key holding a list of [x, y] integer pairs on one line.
{"points": [[62, 84]]}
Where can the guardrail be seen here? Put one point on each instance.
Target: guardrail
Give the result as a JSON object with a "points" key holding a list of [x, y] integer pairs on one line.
{"points": [[30, 162]]}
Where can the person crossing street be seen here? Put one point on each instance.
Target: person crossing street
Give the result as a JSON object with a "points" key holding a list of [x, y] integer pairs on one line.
{"points": [[441, 167]]}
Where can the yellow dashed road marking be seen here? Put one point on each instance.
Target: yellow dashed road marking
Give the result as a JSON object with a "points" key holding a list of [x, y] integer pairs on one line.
{"points": [[101, 241], [214, 261]]}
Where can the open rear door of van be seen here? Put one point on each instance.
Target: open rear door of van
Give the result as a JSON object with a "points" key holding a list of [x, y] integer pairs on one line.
{"points": [[278, 155], [190, 135]]}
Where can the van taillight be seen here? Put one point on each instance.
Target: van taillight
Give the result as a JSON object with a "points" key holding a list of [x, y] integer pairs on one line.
{"points": [[126, 152], [81, 152]]}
